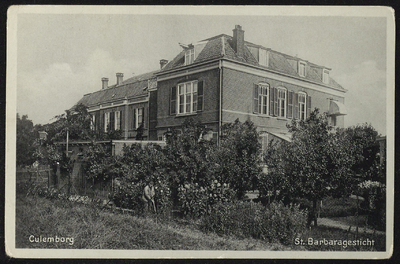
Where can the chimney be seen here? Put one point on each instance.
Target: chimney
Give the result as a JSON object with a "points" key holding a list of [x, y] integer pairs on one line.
{"points": [[238, 40], [120, 78], [105, 83], [163, 63]]}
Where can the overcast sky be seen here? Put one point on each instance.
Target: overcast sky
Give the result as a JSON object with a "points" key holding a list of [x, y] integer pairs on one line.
{"points": [[61, 57]]}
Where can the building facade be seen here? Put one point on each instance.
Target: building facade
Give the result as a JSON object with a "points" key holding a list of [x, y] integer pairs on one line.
{"points": [[215, 81]]}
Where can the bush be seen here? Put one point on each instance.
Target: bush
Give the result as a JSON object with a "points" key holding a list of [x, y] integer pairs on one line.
{"points": [[126, 194], [196, 200], [275, 223]]}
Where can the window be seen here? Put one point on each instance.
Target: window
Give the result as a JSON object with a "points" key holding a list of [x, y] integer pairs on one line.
{"points": [[325, 76], [263, 57], [187, 98], [290, 104], [189, 56], [93, 122], [302, 69], [333, 120], [106, 121], [261, 98], [117, 120], [302, 106], [138, 117], [281, 102]]}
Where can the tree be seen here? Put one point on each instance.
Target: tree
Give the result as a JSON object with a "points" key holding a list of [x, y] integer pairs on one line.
{"points": [[239, 156], [188, 156], [25, 141], [315, 164]]}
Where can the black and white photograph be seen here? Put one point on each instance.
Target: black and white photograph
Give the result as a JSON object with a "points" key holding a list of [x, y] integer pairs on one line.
{"points": [[200, 132]]}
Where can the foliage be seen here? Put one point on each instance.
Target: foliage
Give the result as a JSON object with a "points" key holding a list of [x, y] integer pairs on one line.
{"points": [[132, 172], [239, 156], [195, 200], [77, 122], [26, 141], [276, 222], [187, 154], [99, 163], [374, 194], [188, 157], [315, 164]]}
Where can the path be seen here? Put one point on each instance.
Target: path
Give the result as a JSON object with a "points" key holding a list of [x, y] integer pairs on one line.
{"points": [[336, 224]]}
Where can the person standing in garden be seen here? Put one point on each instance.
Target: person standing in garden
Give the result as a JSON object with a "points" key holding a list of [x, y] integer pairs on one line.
{"points": [[148, 197]]}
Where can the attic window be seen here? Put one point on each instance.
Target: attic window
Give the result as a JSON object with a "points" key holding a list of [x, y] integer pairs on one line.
{"points": [[263, 57], [325, 76], [302, 68], [189, 56]]}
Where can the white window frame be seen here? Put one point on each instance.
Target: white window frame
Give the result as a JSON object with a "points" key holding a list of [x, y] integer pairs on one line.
{"points": [[188, 91], [117, 120], [189, 56], [302, 114], [93, 122], [282, 100], [302, 68], [325, 76], [106, 121], [138, 114], [261, 96]]}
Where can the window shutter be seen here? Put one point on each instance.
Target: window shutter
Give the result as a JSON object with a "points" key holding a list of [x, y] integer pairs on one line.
{"points": [[112, 120], [104, 122], [200, 96], [120, 120], [255, 101], [143, 119], [308, 106], [134, 118], [290, 104], [276, 102], [172, 97], [296, 106], [271, 101]]}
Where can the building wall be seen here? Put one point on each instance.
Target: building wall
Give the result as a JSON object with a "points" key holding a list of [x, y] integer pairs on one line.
{"points": [[208, 116], [238, 93], [127, 112], [153, 115]]}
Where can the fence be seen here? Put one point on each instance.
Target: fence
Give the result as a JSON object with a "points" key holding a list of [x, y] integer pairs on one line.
{"points": [[74, 183], [41, 175]]}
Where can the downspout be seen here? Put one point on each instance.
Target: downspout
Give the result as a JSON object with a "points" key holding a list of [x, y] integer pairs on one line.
{"points": [[220, 92], [220, 103]]}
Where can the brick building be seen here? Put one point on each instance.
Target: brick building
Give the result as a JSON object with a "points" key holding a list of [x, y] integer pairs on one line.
{"points": [[216, 81]]}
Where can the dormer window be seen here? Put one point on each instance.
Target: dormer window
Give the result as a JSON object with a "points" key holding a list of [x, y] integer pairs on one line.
{"points": [[263, 57], [302, 69], [189, 56], [325, 76]]}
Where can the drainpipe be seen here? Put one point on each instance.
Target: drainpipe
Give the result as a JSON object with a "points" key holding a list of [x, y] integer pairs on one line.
{"points": [[220, 103]]}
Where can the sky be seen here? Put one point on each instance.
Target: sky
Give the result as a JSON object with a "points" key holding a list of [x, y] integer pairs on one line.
{"points": [[62, 56]]}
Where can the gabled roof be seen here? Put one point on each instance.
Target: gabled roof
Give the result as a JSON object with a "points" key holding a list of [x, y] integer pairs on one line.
{"points": [[221, 46], [133, 87]]}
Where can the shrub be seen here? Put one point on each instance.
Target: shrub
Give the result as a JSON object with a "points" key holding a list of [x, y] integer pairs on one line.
{"points": [[275, 223], [196, 200]]}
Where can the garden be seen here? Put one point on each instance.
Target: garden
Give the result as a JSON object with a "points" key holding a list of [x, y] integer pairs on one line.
{"points": [[201, 187]]}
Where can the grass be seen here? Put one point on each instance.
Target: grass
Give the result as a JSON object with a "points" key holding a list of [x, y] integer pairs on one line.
{"points": [[339, 207], [93, 228]]}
